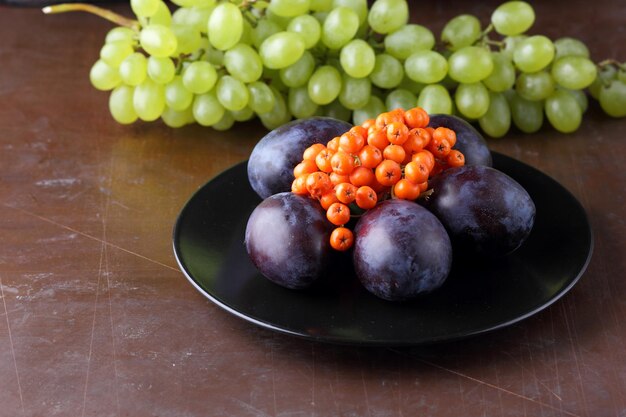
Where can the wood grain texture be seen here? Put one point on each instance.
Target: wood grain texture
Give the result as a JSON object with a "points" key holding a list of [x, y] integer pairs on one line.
{"points": [[97, 320]]}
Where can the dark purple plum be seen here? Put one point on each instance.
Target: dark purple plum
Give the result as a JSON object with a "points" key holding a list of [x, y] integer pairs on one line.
{"points": [[287, 239], [484, 210], [271, 163], [468, 140], [401, 250]]}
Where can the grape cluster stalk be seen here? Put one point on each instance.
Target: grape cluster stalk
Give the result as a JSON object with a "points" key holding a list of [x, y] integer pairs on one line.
{"points": [[217, 62]]}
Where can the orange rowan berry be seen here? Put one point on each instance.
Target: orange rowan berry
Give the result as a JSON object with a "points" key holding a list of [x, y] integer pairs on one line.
{"points": [[298, 186], [305, 167], [441, 133], [406, 190], [341, 239], [318, 184], [455, 158], [395, 153], [416, 117], [362, 176], [327, 199], [342, 163], [345, 192], [416, 172], [397, 133], [366, 197], [388, 172], [337, 179], [338, 214], [351, 142], [370, 156], [311, 152], [322, 160]]}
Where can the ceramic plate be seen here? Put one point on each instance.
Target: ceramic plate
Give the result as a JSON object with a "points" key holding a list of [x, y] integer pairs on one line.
{"points": [[476, 298]]}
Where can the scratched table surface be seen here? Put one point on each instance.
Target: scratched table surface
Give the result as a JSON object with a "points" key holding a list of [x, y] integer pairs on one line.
{"points": [[97, 320]]}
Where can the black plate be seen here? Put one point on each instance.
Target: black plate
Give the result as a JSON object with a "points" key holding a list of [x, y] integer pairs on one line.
{"points": [[476, 298]]}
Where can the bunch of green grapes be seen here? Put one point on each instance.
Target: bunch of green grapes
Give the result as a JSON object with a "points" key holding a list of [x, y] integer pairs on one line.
{"points": [[216, 62]]}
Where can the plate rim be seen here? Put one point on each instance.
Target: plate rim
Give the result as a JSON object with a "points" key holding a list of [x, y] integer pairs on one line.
{"points": [[380, 342]]}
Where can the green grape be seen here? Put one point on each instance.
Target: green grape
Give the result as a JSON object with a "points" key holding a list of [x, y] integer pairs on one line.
{"points": [[337, 111], [324, 85], [574, 72], [300, 104], [426, 67], [359, 7], [606, 74], [408, 40], [535, 86], [207, 109], [563, 111], [194, 3], [144, 8], [357, 58], [510, 43], [121, 105], [246, 34], [281, 50], [263, 30], [121, 33], [195, 17], [226, 122], [472, 100], [497, 121], [388, 71], [373, 108], [133, 69], [339, 28], [261, 97], [355, 92], [161, 70], [177, 118], [581, 98], [321, 5], [199, 77], [298, 73], [435, 99], [158, 40], [400, 99], [289, 8], [225, 26], [177, 97], [613, 98], [113, 53], [242, 115], [513, 18], [470, 64], [308, 27], [244, 63], [214, 56], [461, 31], [533, 53], [527, 115], [282, 21], [569, 47], [502, 77], [149, 100], [621, 73], [412, 86], [163, 16], [278, 115], [189, 39], [232, 93], [386, 16]]}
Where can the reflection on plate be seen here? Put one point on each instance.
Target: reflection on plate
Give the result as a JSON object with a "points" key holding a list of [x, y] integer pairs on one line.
{"points": [[476, 298]]}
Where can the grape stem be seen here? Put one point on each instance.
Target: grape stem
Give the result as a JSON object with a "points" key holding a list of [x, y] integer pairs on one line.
{"points": [[98, 11], [614, 62]]}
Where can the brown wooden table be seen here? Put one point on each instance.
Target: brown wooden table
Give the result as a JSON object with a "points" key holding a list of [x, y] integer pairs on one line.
{"points": [[96, 318]]}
